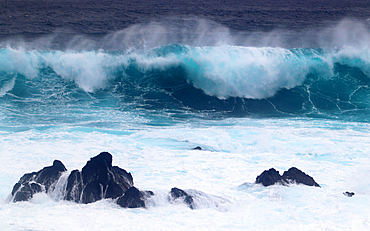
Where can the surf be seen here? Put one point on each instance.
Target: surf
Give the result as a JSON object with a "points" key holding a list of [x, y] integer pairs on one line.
{"points": [[195, 66]]}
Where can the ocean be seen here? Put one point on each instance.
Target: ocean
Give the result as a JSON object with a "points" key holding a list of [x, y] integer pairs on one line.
{"points": [[256, 84]]}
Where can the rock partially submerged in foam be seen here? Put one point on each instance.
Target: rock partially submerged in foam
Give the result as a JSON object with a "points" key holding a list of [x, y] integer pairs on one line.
{"points": [[36, 182], [97, 180], [134, 198], [179, 195], [268, 177], [293, 175], [349, 194]]}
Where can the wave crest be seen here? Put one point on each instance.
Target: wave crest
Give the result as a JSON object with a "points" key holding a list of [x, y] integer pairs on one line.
{"points": [[223, 71], [248, 79]]}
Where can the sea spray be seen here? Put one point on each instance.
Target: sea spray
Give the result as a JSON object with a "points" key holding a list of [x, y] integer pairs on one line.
{"points": [[58, 190], [244, 81]]}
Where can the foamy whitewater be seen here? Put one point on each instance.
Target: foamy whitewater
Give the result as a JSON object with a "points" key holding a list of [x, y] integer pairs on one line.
{"points": [[152, 92]]}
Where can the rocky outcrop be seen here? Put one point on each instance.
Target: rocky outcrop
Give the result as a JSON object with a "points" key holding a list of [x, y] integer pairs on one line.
{"points": [[268, 177], [293, 175], [134, 198], [178, 195], [43, 180], [98, 180]]}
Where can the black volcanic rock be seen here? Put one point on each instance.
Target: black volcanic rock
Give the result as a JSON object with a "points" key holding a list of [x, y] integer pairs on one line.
{"points": [[74, 186], [179, 194], [49, 175], [133, 198], [349, 194], [97, 180], [26, 191], [31, 183], [268, 177], [293, 175], [122, 177], [98, 169]]}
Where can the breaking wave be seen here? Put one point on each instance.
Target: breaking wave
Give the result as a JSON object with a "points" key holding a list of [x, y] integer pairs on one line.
{"points": [[239, 80]]}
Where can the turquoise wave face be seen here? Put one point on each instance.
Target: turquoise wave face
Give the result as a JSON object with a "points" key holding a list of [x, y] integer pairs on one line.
{"points": [[212, 81]]}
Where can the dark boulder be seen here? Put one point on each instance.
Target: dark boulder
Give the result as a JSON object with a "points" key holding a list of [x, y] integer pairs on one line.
{"points": [[98, 180], [92, 192], [294, 175], [133, 198], [98, 169], [177, 194], [349, 194], [122, 177], [269, 177], [49, 175], [26, 191], [31, 183]]}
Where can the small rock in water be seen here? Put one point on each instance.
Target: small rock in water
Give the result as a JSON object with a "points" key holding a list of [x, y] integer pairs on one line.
{"points": [[180, 194], [294, 175], [269, 177], [349, 194], [133, 198]]}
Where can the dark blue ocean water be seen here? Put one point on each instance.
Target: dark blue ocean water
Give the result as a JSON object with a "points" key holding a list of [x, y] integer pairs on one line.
{"points": [[162, 62]]}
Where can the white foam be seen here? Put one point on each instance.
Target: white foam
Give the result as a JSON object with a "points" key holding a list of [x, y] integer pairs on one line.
{"points": [[223, 71], [57, 191], [7, 87], [335, 154]]}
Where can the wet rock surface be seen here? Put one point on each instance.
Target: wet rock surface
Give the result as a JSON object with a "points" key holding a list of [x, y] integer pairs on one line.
{"points": [[97, 180], [268, 177], [177, 194], [31, 183], [292, 176], [134, 198]]}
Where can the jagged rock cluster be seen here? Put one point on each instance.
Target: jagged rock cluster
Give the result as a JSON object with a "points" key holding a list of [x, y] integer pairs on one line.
{"points": [[98, 180], [293, 175], [35, 182]]}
